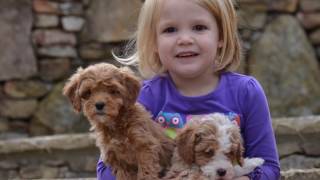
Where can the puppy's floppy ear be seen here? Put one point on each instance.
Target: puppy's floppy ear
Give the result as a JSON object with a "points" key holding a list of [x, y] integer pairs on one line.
{"points": [[132, 83], [236, 152], [185, 143], [71, 90]]}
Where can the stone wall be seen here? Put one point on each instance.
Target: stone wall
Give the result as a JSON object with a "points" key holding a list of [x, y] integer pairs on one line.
{"points": [[44, 41]]}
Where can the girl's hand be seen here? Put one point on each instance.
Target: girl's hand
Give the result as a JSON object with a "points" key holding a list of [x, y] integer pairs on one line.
{"points": [[242, 178]]}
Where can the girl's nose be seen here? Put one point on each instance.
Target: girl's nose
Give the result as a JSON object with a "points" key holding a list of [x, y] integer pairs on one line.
{"points": [[185, 39]]}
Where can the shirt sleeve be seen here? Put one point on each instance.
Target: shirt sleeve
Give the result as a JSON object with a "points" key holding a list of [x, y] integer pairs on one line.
{"points": [[146, 98], [258, 135], [104, 172]]}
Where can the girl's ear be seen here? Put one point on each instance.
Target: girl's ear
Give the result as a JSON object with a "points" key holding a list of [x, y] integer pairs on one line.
{"points": [[71, 90]]}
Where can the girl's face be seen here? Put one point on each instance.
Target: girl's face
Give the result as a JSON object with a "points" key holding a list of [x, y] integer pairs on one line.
{"points": [[187, 39]]}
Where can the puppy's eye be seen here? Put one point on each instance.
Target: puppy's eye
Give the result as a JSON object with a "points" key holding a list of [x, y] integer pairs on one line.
{"points": [[86, 94], [209, 152], [114, 92]]}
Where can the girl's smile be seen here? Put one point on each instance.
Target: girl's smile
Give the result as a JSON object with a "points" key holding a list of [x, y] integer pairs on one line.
{"points": [[186, 54]]}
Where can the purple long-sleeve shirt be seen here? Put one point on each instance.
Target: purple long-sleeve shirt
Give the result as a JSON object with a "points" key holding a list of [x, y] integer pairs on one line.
{"points": [[238, 96]]}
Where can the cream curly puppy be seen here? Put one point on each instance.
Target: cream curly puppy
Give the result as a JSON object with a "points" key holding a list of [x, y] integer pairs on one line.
{"points": [[210, 148]]}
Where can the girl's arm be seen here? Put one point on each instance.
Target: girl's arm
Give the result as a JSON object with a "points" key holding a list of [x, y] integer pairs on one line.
{"points": [[258, 135]]}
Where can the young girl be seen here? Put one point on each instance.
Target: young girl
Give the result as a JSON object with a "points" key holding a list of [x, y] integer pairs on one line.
{"points": [[187, 49]]}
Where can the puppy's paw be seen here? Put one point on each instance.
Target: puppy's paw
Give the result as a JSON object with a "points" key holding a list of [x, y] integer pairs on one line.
{"points": [[253, 162], [248, 166]]}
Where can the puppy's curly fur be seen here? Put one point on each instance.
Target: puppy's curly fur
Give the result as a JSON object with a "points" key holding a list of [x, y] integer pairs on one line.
{"points": [[129, 140], [210, 148]]}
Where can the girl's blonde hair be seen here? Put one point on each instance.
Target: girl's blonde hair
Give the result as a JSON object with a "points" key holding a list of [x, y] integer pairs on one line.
{"points": [[228, 57]]}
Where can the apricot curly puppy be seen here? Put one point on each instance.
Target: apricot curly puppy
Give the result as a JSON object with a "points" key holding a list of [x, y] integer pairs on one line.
{"points": [[129, 140]]}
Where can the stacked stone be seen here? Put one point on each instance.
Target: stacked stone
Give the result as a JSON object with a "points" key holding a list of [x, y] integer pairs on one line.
{"points": [[280, 39], [54, 36], [65, 34], [49, 157], [281, 54], [297, 141], [310, 18], [30, 72]]}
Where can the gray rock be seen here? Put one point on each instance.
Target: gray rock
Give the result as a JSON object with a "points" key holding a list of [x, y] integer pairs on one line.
{"points": [[298, 174], [12, 135], [8, 165], [13, 174], [60, 51], [92, 51], [254, 5], [26, 89], [53, 36], [297, 135], [285, 63], [309, 20], [299, 162], [49, 172], [283, 5], [315, 37], [71, 8], [55, 163], [18, 108], [310, 5], [41, 6], [55, 113], [54, 69], [250, 19], [16, 22], [4, 124], [72, 23], [110, 21], [273, 5], [85, 163], [30, 172], [46, 21]]}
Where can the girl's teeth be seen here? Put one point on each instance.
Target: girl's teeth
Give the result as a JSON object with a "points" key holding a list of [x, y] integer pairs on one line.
{"points": [[186, 55]]}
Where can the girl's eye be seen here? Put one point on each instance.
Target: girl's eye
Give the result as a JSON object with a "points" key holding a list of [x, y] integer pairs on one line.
{"points": [[86, 94], [199, 27], [169, 30]]}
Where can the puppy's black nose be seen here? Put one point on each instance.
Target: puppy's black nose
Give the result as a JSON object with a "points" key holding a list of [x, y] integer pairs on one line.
{"points": [[99, 105], [221, 172]]}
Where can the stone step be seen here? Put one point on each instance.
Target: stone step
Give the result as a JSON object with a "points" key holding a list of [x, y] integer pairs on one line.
{"points": [[57, 142], [75, 155], [48, 157], [299, 174], [293, 174]]}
